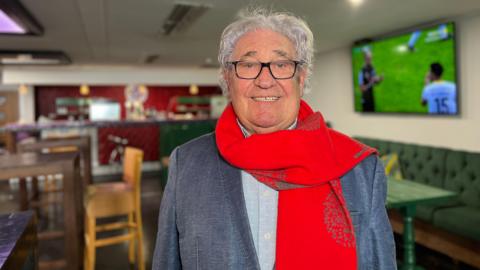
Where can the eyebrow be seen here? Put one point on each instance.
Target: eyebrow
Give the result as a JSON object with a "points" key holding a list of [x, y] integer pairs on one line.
{"points": [[252, 53], [248, 54], [281, 53]]}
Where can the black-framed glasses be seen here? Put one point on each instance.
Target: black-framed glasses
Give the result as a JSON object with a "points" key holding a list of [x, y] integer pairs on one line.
{"points": [[280, 70]]}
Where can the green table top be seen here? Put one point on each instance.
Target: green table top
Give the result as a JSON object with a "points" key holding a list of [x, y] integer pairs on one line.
{"points": [[404, 192]]}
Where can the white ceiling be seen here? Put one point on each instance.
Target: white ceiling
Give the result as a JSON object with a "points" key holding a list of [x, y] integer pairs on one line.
{"points": [[125, 32]]}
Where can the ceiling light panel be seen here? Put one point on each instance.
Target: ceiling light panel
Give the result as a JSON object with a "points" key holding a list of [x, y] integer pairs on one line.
{"points": [[16, 19], [9, 26], [33, 58]]}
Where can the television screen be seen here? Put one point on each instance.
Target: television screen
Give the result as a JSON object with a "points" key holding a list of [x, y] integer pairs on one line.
{"points": [[413, 72]]}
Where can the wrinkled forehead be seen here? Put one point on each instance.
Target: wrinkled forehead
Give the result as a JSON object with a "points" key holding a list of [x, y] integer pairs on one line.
{"points": [[263, 42]]}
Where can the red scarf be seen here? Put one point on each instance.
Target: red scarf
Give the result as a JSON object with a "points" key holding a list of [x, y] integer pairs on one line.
{"points": [[314, 229]]}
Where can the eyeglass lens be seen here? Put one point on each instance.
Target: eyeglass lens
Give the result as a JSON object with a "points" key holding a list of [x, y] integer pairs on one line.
{"points": [[284, 69]]}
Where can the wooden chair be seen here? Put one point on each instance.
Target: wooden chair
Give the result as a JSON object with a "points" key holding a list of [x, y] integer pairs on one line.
{"points": [[115, 199]]}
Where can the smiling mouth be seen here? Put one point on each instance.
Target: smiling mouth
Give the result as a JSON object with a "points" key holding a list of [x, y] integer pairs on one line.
{"points": [[266, 99]]}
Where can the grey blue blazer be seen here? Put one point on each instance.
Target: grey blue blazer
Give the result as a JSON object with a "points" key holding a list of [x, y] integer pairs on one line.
{"points": [[203, 222]]}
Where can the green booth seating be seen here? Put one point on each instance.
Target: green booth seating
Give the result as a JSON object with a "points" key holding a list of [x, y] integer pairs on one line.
{"points": [[449, 169], [462, 176], [175, 134]]}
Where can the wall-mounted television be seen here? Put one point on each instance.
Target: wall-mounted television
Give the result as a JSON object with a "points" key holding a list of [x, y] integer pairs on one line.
{"points": [[409, 72]]}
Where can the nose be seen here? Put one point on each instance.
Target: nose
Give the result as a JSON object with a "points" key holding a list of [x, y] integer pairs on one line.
{"points": [[265, 80]]}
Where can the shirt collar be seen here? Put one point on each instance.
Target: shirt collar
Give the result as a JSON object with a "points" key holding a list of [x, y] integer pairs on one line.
{"points": [[247, 134]]}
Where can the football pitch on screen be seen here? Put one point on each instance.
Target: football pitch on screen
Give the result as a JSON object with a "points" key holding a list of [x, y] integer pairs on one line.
{"points": [[404, 70]]}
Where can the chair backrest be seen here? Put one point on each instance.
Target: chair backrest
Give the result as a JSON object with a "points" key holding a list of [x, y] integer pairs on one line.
{"points": [[132, 166]]}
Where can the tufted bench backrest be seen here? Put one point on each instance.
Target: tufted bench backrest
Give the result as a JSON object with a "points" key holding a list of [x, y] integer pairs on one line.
{"points": [[454, 170], [424, 164], [463, 176], [381, 145], [419, 163]]}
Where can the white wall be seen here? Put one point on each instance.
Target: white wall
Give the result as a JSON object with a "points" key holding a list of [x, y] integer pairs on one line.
{"points": [[332, 94], [109, 75], [26, 105], [26, 102]]}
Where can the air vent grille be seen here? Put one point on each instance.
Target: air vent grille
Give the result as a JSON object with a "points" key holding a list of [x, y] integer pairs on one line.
{"points": [[182, 16]]}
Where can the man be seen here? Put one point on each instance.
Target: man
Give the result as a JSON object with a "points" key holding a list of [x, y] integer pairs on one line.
{"points": [[439, 95], [273, 187], [367, 78]]}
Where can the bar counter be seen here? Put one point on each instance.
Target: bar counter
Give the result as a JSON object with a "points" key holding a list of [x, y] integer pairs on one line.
{"points": [[156, 137], [14, 127]]}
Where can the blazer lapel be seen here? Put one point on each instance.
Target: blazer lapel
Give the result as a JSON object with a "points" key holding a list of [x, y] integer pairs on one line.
{"points": [[232, 183]]}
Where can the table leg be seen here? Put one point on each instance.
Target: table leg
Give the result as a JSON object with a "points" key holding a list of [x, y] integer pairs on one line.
{"points": [[11, 141], [23, 194], [88, 162], [73, 215], [409, 238]]}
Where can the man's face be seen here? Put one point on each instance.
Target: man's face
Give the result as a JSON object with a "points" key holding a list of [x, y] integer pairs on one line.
{"points": [[430, 76], [264, 104], [368, 58]]}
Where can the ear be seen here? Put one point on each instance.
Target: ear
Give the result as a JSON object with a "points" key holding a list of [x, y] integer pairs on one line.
{"points": [[226, 79], [302, 74]]}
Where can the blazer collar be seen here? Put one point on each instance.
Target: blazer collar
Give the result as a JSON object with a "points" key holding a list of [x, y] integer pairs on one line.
{"points": [[232, 183]]}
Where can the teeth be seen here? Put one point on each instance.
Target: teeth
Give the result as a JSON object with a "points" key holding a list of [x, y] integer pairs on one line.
{"points": [[267, 99]]}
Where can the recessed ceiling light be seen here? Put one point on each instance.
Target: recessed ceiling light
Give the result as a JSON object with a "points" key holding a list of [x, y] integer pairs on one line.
{"points": [[356, 3]]}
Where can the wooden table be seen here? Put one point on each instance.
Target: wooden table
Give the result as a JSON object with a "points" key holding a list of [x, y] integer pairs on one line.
{"points": [[406, 195], [18, 241], [83, 143], [32, 164]]}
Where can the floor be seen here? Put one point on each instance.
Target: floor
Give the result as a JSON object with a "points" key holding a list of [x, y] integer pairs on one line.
{"points": [[115, 257], [110, 257]]}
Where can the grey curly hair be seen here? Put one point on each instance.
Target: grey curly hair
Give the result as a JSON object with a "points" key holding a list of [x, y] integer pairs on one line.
{"points": [[284, 23]]}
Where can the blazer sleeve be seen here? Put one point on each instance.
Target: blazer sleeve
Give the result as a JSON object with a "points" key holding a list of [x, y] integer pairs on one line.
{"points": [[383, 244], [167, 254]]}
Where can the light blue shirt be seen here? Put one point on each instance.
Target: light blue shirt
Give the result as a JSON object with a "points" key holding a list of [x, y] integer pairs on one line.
{"points": [[441, 97], [261, 202], [262, 205]]}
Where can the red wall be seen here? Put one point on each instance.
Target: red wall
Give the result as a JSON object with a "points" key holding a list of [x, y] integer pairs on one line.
{"points": [[158, 96], [143, 137]]}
